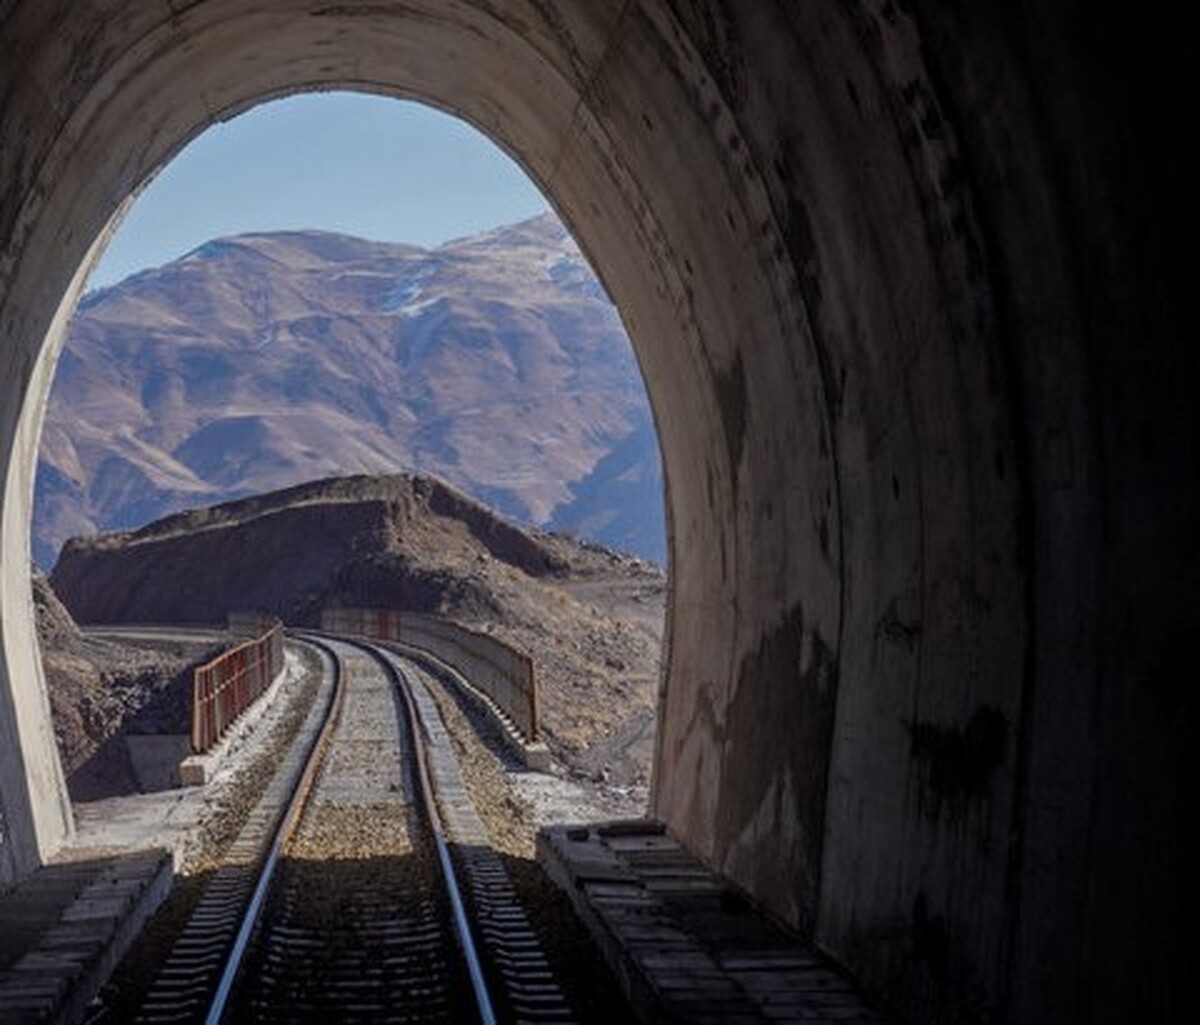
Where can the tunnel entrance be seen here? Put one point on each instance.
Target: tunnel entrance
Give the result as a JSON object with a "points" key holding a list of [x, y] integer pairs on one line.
{"points": [[911, 293], [272, 349]]}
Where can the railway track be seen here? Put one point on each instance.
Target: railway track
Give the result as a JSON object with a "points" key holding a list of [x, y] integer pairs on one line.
{"points": [[363, 886]]}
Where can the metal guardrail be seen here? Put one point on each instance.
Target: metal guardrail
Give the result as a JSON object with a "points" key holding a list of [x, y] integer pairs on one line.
{"points": [[497, 669], [225, 687]]}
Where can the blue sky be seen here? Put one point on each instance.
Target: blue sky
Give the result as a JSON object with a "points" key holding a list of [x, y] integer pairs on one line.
{"points": [[364, 165]]}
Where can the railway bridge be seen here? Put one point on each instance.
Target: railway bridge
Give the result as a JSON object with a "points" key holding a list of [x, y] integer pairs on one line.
{"points": [[910, 285]]}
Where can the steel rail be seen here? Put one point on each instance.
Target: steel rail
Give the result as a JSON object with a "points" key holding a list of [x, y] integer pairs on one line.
{"points": [[297, 805], [286, 828], [462, 925]]}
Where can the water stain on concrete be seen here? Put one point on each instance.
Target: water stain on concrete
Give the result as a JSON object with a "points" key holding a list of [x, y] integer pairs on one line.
{"points": [[958, 761], [794, 677], [731, 392]]}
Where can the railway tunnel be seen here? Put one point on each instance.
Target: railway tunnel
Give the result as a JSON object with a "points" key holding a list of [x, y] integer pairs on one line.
{"points": [[909, 285]]}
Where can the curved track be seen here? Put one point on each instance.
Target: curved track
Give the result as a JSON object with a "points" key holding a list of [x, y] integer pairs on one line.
{"points": [[350, 905]]}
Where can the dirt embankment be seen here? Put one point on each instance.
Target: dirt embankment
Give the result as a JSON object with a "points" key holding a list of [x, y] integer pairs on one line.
{"points": [[590, 618], [101, 690]]}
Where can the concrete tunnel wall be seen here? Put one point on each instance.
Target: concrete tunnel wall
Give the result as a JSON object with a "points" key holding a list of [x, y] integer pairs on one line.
{"points": [[908, 285]]}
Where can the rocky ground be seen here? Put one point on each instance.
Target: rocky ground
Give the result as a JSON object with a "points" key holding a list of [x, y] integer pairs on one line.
{"points": [[102, 690], [596, 642]]}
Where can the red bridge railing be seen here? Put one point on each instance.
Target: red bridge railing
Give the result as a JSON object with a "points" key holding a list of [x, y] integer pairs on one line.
{"points": [[225, 687]]}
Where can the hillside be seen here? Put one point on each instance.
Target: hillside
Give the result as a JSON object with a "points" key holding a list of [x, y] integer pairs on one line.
{"points": [[101, 689], [260, 361], [591, 619]]}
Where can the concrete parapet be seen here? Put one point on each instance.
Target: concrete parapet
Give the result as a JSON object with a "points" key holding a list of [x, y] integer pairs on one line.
{"points": [[81, 918], [497, 669], [534, 755], [683, 943], [155, 759]]}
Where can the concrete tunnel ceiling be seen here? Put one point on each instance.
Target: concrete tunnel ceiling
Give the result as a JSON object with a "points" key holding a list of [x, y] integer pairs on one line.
{"points": [[883, 266]]}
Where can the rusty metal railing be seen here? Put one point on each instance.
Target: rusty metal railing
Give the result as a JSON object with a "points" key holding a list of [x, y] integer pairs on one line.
{"points": [[225, 687]]}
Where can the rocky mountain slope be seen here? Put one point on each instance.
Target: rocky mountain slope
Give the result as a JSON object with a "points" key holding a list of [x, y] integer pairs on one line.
{"points": [[590, 618], [259, 361]]}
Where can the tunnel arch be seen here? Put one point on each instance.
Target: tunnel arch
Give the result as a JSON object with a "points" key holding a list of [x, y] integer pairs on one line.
{"points": [[562, 148], [878, 264]]}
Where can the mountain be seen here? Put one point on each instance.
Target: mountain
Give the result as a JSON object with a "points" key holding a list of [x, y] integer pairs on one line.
{"points": [[590, 619], [619, 502], [262, 360]]}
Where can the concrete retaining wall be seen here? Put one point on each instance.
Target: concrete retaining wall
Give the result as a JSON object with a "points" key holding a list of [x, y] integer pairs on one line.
{"points": [[502, 672]]}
